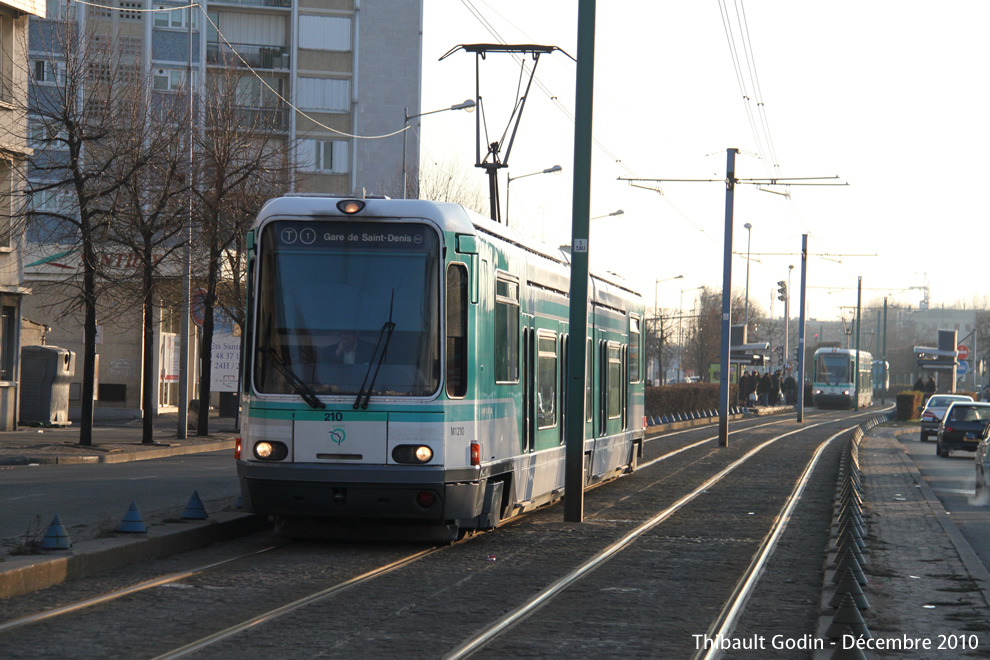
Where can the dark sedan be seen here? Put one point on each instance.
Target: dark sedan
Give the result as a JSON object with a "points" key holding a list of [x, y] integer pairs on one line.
{"points": [[962, 426]]}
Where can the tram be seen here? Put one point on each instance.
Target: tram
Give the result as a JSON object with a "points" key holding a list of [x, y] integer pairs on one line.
{"points": [[843, 378], [405, 365]]}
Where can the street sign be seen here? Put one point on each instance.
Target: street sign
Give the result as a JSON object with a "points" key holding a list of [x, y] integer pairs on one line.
{"points": [[962, 352], [197, 306], [962, 368]]}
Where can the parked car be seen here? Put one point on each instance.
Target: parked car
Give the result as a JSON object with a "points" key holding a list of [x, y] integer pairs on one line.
{"points": [[934, 410], [983, 467], [963, 425]]}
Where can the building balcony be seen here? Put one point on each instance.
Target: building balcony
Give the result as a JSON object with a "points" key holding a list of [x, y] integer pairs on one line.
{"points": [[280, 4], [261, 120], [257, 57]]}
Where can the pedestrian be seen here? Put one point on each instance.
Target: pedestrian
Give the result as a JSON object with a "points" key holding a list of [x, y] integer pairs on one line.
{"points": [[745, 387], [790, 390], [775, 388], [919, 385], [930, 386], [763, 389]]}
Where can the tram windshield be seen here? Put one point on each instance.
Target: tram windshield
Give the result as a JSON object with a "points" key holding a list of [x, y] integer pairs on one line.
{"points": [[833, 368], [345, 304]]}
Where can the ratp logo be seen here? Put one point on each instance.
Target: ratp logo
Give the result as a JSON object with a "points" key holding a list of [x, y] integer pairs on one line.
{"points": [[338, 436]]}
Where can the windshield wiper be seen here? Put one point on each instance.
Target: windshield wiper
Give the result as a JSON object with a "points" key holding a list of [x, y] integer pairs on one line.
{"points": [[304, 390], [386, 332]]}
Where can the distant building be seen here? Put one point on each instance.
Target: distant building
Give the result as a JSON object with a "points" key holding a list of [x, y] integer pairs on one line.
{"points": [[348, 69]]}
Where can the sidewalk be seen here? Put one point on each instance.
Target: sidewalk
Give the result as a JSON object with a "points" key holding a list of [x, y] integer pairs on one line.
{"points": [[113, 442], [925, 581], [95, 551]]}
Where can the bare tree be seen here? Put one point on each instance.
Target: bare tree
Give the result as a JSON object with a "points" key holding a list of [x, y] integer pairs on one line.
{"points": [[151, 208], [241, 161], [86, 122], [448, 182]]}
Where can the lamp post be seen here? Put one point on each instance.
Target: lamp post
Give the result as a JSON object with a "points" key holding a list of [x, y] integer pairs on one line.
{"points": [[509, 180], [749, 234], [467, 104], [656, 318], [680, 332]]}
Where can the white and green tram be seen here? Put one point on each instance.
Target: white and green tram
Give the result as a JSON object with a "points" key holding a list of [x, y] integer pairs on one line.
{"points": [[404, 370], [843, 378]]}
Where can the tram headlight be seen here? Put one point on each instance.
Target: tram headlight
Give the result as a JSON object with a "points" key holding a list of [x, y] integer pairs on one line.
{"points": [[414, 454], [270, 451]]}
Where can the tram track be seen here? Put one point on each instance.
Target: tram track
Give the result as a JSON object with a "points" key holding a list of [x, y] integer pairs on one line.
{"points": [[367, 581]]}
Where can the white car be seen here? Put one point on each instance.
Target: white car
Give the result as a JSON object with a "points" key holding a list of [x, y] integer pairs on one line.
{"points": [[934, 410]]}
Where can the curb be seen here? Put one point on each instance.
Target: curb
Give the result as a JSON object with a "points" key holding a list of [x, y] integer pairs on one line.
{"points": [[25, 574], [120, 456]]}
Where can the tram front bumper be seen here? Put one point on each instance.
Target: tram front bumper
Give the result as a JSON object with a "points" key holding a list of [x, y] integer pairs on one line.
{"points": [[381, 492]]}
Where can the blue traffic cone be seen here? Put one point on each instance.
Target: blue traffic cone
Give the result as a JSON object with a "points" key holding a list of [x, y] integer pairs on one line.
{"points": [[56, 538], [194, 509], [132, 522]]}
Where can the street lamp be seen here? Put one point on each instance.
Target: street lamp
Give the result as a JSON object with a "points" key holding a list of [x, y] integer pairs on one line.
{"points": [[749, 234], [468, 105], [680, 331], [549, 170], [656, 317]]}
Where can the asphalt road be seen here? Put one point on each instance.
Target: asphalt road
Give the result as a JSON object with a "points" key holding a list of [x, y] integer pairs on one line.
{"points": [[88, 498], [953, 480]]}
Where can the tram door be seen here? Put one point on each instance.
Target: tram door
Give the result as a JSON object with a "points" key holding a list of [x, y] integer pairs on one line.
{"points": [[546, 370]]}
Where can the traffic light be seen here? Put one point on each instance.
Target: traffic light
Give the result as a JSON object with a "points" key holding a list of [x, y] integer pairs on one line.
{"points": [[782, 290], [797, 354]]}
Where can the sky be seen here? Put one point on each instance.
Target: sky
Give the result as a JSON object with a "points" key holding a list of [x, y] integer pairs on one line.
{"points": [[888, 96]]}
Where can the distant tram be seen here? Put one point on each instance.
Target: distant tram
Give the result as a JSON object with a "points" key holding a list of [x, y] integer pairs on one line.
{"points": [[405, 369], [843, 378]]}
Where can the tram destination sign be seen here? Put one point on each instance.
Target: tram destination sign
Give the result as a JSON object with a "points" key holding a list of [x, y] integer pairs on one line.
{"points": [[391, 236]]}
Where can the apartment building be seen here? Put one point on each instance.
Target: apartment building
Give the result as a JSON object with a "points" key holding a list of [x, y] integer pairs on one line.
{"points": [[13, 151], [330, 76]]}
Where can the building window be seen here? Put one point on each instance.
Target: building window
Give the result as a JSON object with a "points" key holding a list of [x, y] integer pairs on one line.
{"points": [[56, 10], [171, 80], [128, 13], [325, 33], [46, 72], [174, 18], [6, 204], [328, 156], [324, 94], [506, 331], [8, 342], [7, 58]]}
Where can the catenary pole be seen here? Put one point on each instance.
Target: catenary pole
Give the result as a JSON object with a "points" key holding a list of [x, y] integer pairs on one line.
{"points": [[859, 302], [801, 319], [580, 224], [723, 380]]}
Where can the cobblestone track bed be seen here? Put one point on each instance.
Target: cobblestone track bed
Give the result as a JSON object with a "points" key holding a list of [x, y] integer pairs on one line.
{"points": [[424, 611]]}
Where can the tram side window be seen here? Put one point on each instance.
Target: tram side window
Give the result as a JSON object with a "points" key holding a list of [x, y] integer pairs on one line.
{"points": [[457, 336], [634, 352], [506, 331], [614, 381], [546, 383]]}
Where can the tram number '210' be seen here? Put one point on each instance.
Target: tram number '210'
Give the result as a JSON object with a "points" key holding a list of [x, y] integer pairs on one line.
{"points": [[333, 417]]}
